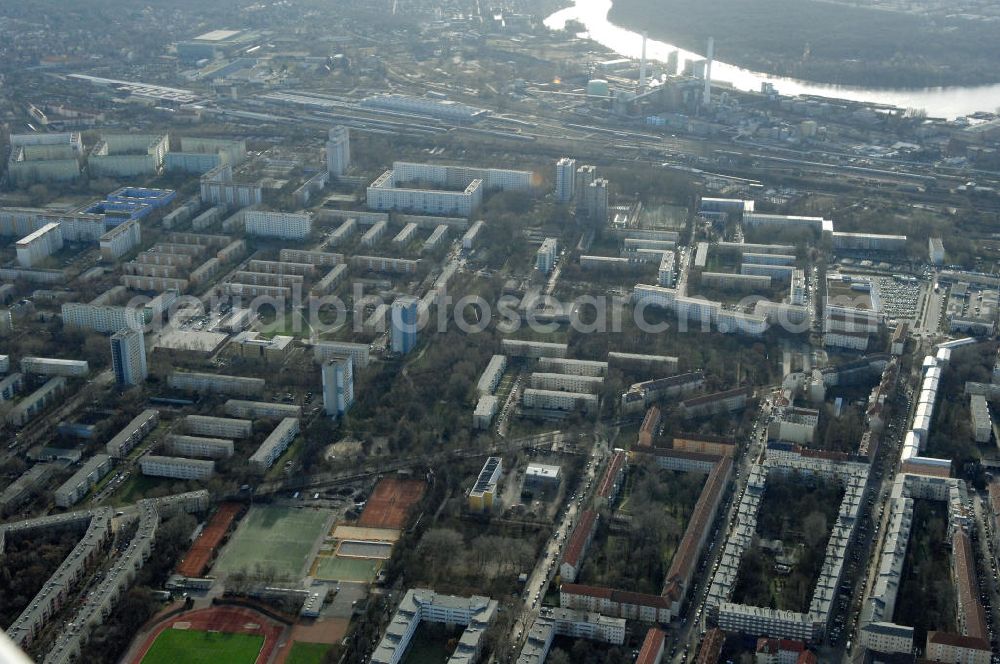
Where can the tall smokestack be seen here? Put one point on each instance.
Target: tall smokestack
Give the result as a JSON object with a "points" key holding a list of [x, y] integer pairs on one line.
{"points": [[708, 70], [642, 66]]}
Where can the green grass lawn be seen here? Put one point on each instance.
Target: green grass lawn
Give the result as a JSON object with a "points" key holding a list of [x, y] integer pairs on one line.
{"points": [[307, 653], [195, 647], [277, 538], [138, 486]]}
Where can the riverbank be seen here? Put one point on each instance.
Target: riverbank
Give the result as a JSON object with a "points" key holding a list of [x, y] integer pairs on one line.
{"points": [[823, 42]]}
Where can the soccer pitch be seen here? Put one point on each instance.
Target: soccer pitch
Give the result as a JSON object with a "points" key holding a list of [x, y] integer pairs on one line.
{"points": [[195, 647], [273, 538]]}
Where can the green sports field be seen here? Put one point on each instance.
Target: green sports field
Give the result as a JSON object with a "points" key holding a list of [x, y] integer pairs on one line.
{"points": [[307, 653], [330, 568], [273, 538], [195, 647]]}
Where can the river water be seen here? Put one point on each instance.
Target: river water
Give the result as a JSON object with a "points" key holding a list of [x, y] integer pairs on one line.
{"points": [[948, 102]]}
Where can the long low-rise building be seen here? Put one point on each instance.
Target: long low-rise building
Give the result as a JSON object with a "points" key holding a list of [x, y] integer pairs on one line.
{"points": [[572, 367], [558, 400], [51, 366], [740, 282], [869, 242], [125, 440], [566, 382], [491, 375], [215, 383], [28, 482], [77, 486], [10, 386], [639, 359], [176, 467], [276, 443], [486, 409], [385, 264], [261, 409], [521, 348], [35, 402], [199, 446], [317, 258], [222, 427]]}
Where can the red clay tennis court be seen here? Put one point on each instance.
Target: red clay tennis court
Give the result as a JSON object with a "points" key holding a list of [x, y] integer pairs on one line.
{"points": [[196, 560], [233, 620], [391, 502]]}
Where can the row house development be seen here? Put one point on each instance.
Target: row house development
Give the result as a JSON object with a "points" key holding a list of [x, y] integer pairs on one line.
{"points": [[176, 467], [132, 434], [276, 443]]}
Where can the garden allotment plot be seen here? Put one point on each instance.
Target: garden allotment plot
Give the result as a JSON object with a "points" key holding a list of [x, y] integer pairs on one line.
{"points": [[279, 539]]}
